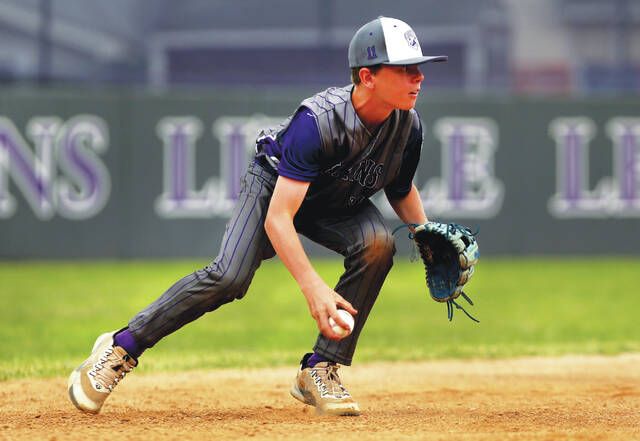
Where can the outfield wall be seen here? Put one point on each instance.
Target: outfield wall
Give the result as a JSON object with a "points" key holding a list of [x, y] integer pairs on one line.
{"points": [[131, 174]]}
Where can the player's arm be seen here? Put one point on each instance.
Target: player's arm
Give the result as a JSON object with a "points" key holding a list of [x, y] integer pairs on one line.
{"points": [[402, 193], [409, 208], [321, 299]]}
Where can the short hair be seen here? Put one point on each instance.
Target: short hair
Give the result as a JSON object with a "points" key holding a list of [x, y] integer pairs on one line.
{"points": [[355, 72]]}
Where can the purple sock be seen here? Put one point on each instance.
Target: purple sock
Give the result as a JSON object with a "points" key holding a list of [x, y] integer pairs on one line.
{"points": [[314, 359], [125, 340]]}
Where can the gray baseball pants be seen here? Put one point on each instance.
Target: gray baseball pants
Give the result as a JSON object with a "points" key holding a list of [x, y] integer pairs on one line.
{"points": [[359, 235]]}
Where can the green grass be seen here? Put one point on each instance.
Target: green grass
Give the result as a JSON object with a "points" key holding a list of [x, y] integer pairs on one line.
{"points": [[51, 312]]}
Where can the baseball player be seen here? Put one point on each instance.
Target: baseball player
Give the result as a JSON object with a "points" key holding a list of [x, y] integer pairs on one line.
{"points": [[313, 175]]}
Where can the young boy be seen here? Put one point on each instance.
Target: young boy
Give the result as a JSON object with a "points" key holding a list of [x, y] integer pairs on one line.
{"points": [[313, 175]]}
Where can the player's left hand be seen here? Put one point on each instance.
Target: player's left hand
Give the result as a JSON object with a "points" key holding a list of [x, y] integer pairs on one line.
{"points": [[450, 253]]}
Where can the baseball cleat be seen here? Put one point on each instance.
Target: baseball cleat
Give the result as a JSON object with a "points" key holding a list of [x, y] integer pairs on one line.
{"points": [[91, 383], [320, 387]]}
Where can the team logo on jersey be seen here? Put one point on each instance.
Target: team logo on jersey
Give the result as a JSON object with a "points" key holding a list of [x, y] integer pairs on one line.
{"points": [[412, 40], [63, 174], [618, 195], [367, 173], [468, 187]]}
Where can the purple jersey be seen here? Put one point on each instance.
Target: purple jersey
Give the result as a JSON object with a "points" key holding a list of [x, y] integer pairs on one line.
{"points": [[300, 154], [329, 147], [298, 149]]}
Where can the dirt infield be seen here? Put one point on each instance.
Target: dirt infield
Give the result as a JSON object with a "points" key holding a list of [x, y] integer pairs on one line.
{"points": [[567, 398]]}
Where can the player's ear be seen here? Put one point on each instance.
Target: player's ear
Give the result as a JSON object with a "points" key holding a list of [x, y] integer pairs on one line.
{"points": [[366, 77]]}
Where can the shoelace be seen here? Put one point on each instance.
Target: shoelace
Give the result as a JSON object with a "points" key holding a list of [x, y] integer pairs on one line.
{"points": [[111, 368], [327, 380]]}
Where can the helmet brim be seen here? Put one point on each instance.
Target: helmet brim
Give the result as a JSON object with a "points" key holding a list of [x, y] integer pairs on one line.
{"points": [[417, 60]]}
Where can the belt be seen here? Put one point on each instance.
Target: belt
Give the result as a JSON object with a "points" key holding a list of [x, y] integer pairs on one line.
{"points": [[264, 162]]}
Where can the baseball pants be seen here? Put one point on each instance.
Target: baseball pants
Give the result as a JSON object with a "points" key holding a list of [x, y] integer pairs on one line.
{"points": [[359, 235]]}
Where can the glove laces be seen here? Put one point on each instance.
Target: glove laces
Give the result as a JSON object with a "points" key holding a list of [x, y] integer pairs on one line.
{"points": [[415, 250], [451, 303]]}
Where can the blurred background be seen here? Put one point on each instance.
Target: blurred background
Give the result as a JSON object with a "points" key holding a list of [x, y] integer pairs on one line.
{"points": [[126, 121], [528, 47]]}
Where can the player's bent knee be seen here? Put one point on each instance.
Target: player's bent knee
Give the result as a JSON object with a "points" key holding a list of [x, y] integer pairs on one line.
{"points": [[234, 287], [226, 278], [380, 249], [221, 288]]}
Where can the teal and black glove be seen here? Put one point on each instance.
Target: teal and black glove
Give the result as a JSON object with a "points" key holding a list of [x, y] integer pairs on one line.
{"points": [[449, 253]]}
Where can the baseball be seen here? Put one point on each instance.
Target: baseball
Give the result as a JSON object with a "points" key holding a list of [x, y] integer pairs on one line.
{"points": [[344, 315]]}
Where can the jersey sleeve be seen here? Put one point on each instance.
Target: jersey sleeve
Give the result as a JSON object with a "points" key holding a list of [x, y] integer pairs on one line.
{"points": [[301, 148], [401, 185]]}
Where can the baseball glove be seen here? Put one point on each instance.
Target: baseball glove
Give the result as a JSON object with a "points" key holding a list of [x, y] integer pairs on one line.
{"points": [[449, 253]]}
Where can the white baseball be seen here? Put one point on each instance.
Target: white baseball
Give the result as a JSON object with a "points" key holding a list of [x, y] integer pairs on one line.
{"points": [[345, 316]]}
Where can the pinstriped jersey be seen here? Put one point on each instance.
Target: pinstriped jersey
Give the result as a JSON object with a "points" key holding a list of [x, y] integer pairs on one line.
{"points": [[354, 163]]}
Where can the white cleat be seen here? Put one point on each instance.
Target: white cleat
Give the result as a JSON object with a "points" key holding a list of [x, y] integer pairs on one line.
{"points": [[91, 383], [320, 387]]}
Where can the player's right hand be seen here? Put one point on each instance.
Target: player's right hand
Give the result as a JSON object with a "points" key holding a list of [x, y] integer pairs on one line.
{"points": [[323, 303]]}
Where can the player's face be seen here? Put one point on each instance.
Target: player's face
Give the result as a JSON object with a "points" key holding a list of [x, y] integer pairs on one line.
{"points": [[399, 86]]}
